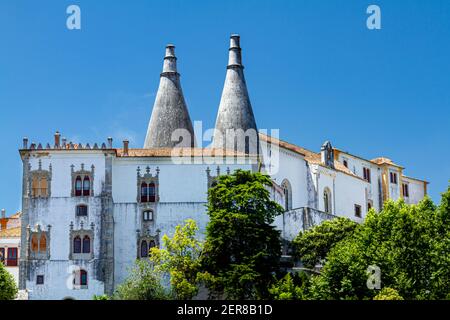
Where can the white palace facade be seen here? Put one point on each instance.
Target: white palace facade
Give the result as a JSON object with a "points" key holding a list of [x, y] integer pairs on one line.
{"points": [[89, 211]]}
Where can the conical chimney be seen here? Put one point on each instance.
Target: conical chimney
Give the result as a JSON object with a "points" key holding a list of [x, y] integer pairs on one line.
{"points": [[235, 110], [170, 116]]}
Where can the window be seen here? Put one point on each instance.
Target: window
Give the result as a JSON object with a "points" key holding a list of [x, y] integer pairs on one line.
{"points": [[393, 177], [357, 210], [366, 173], [2, 255], [34, 243], [80, 279], [43, 243], [78, 187], [287, 192], [11, 260], [144, 249], [86, 244], [147, 215], [144, 192], [40, 280], [39, 186], [86, 186], [327, 200], [81, 210], [369, 206], [405, 190], [152, 244], [346, 163], [151, 192], [77, 244]]}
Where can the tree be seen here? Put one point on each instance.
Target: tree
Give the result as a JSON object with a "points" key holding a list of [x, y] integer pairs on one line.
{"points": [[179, 258], [410, 245], [142, 284], [388, 294], [8, 288], [290, 287], [313, 245], [242, 248]]}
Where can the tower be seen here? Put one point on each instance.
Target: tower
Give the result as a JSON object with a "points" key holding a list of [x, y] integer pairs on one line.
{"points": [[235, 124], [170, 124]]}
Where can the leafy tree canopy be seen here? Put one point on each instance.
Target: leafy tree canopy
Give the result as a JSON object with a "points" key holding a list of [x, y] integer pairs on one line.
{"points": [[8, 288]]}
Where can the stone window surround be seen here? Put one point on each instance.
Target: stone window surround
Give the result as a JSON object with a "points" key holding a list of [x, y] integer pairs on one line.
{"points": [[40, 173], [39, 232], [212, 180], [147, 236], [148, 178], [81, 233], [82, 173]]}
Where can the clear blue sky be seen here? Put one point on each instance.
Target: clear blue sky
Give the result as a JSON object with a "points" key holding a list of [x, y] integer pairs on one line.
{"points": [[313, 70]]}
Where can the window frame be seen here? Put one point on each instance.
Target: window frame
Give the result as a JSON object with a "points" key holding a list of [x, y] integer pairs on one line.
{"points": [[358, 211], [40, 280], [78, 208]]}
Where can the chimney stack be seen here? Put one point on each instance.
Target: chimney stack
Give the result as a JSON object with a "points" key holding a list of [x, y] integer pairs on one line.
{"points": [[235, 55], [327, 155], [25, 143], [110, 142], [125, 147], [3, 220], [3, 213], [57, 140]]}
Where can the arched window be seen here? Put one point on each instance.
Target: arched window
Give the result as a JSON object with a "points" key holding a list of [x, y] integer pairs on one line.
{"points": [[78, 187], [147, 215], [77, 244], [144, 192], [35, 187], [327, 200], [82, 210], [83, 278], [43, 187], [43, 243], [152, 244], [86, 244], [287, 192], [144, 249], [86, 187], [34, 243], [152, 192]]}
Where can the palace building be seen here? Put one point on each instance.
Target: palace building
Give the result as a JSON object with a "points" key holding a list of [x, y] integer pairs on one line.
{"points": [[90, 210]]}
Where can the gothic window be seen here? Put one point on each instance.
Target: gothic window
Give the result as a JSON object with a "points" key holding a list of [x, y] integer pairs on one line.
{"points": [[39, 187], [82, 182], [357, 210], [80, 279], [34, 243], [144, 249], [86, 186], [287, 192], [152, 244], [147, 186], [327, 201], [144, 192], [147, 215], [81, 210], [86, 244], [39, 243], [78, 187], [77, 244]]}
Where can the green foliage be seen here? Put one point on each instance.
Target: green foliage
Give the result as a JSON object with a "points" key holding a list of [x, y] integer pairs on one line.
{"points": [[142, 284], [179, 258], [388, 294], [410, 244], [101, 297], [242, 249], [8, 288], [290, 287], [313, 245]]}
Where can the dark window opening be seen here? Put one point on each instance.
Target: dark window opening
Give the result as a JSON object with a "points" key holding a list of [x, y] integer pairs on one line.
{"points": [[78, 187], [144, 249], [86, 186], [39, 279], [11, 259], [86, 244], [346, 163], [82, 210], [77, 244], [366, 173], [358, 211]]}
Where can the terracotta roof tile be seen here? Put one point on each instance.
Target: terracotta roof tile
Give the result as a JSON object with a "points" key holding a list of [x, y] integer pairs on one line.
{"points": [[183, 152], [10, 233]]}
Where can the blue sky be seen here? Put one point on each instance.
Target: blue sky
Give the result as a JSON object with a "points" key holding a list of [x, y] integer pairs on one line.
{"points": [[313, 70]]}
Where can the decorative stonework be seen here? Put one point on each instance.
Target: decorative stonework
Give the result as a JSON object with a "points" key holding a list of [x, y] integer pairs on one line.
{"points": [[82, 175], [82, 233], [146, 238], [39, 182], [39, 243], [151, 181], [212, 180]]}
